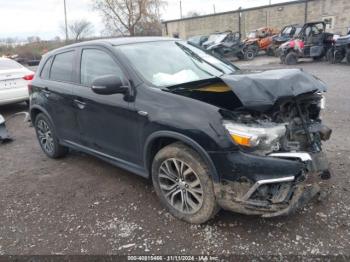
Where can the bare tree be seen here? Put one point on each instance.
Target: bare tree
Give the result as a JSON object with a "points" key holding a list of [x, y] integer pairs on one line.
{"points": [[80, 28], [128, 17]]}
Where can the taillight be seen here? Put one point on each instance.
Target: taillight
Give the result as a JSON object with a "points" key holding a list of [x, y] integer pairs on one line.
{"points": [[28, 77]]}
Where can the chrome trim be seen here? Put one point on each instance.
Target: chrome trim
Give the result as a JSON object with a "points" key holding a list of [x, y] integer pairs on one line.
{"points": [[142, 113], [264, 182], [303, 156]]}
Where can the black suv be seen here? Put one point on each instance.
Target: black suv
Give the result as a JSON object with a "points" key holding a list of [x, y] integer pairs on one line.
{"points": [[208, 134]]}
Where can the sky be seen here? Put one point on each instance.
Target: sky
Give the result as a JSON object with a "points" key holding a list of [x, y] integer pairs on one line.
{"points": [[43, 18]]}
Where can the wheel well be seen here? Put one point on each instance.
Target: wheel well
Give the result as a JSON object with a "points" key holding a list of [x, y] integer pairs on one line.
{"points": [[33, 113], [154, 148]]}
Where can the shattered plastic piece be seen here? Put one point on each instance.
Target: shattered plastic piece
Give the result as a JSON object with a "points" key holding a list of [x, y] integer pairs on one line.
{"points": [[4, 136], [260, 91]]}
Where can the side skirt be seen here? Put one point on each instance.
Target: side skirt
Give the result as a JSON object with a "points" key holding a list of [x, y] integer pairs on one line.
{"points": [[138, 170]]}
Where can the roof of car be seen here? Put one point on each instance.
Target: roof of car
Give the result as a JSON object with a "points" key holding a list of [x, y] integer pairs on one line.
{"points": [[115, 42], [119, 41]]}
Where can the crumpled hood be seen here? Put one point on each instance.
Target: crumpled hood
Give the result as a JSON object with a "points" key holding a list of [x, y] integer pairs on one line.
{"points": [[260, 91]]}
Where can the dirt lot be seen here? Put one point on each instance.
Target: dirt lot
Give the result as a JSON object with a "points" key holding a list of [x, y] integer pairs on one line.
{"points": [[81, 205]]}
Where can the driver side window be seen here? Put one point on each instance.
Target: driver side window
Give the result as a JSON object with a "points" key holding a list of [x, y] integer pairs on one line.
{"points": [[96, 63]]}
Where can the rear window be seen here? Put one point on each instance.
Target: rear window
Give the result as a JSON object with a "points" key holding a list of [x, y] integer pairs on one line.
{"points": [[9, 64], [45, 73], [62, 67]]}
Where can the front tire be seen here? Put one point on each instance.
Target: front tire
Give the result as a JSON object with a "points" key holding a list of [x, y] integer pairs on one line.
{"points": [[182, 182], [47, 137], [291, 58], [249, 54]]}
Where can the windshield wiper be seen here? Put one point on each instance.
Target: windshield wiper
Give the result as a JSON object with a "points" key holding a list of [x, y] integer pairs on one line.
{"points": [[197, 57]]}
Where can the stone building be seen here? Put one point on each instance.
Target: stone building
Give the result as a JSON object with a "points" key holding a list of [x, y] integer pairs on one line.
{"points": [[336, 14]]}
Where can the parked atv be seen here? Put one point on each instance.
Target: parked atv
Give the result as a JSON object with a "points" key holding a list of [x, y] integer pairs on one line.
{"points": [[312, 42], [260, 39], [340, 50], [286, 34], [231, 45]]}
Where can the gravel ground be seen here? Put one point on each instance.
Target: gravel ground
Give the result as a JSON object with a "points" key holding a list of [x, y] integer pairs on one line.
{"points": [[81, 205]]}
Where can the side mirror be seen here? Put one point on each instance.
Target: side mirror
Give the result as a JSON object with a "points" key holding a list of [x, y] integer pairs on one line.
{"points": [[108, 85]]}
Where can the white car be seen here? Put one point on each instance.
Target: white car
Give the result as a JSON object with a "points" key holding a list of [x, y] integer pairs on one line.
{"points": [[14, 80]]}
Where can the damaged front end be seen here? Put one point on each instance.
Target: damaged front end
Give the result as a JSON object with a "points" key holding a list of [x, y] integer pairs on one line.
{"points": [[280, 165], [273, 118]]}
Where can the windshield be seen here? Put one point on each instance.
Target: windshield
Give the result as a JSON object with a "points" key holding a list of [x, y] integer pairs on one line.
{"points": [[287, 30], [212, 38], [220, 38], [6, 64], [297, 31], [167, 63]]}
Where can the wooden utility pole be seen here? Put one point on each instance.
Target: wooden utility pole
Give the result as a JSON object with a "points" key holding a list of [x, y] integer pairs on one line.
{"points": [[214, 8], [306, 10], [180, 9], [240, 21], [65, 19]]}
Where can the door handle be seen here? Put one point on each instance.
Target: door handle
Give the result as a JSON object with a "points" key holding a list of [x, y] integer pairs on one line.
{"points": [[80, 104], [46, 91]]}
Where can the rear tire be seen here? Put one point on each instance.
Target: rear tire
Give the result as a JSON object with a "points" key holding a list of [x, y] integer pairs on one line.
{"points": [[182, 182], [291, 59], [47, 137], [249, 54]]}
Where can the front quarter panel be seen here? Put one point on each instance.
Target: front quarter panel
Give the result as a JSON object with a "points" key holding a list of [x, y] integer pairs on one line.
{"points": [[197, 120]]}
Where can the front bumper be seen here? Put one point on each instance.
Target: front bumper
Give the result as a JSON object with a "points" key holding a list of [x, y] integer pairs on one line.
{"points": [[273, 195]]}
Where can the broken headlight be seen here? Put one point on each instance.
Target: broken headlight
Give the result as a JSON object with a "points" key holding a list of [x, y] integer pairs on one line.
{"points": [[262, 137]]}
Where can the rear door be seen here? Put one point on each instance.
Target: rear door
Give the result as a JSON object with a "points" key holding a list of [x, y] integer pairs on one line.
{"points": [[106, 121], [57, 77]]}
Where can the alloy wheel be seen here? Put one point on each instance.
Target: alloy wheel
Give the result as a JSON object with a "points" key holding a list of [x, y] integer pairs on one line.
{"points": [[45, 136], [180, 186]]}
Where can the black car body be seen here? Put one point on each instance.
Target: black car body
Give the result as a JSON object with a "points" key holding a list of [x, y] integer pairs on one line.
{"points": [[312, 42], [253, 139]]}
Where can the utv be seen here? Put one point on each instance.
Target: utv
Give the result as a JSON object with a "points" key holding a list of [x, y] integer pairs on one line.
{"points": [[286, 34], [340, 50], [260, 39], [231, 45], [311, 42]]}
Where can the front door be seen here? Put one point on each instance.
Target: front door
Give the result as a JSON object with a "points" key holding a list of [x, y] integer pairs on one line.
{"points": [[105, 121]]}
